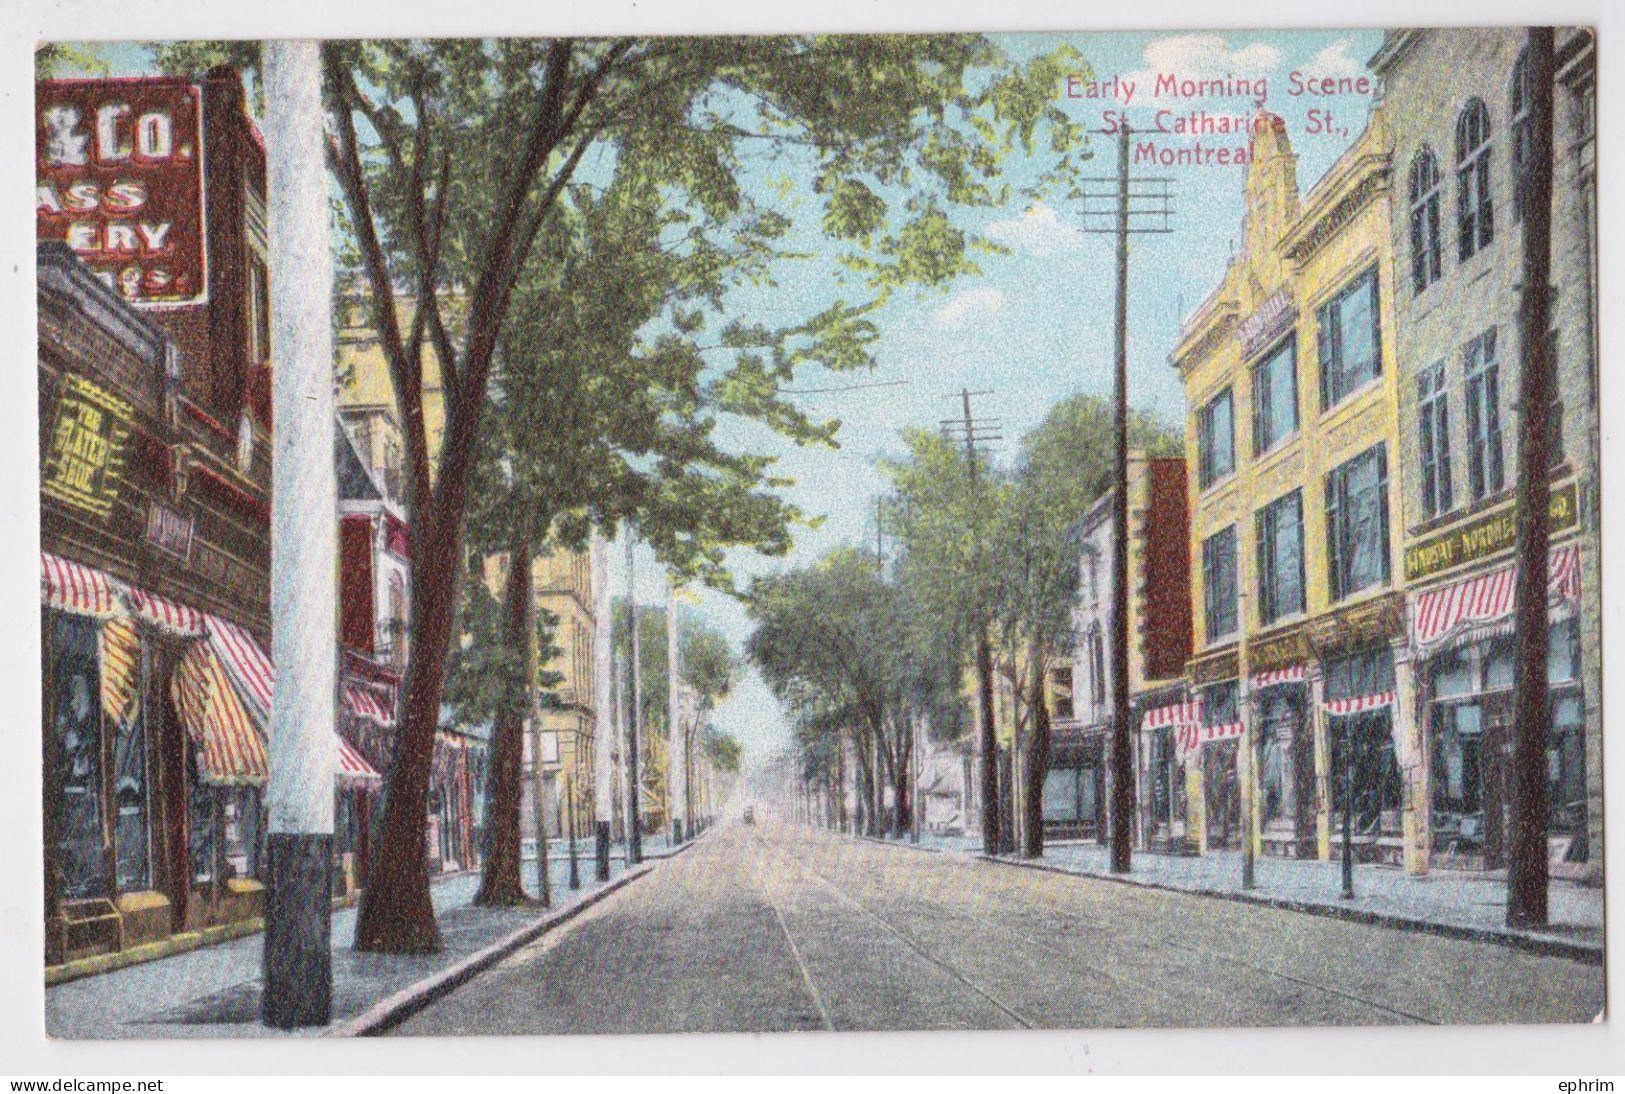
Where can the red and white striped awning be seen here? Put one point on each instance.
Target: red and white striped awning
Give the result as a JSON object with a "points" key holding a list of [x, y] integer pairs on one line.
{"points": [[250, 665], [361, 701], [1463, 608], [166, 615], [254, 674], [230, 751], [1174, 714], [73, 587], [1292, 674], [354, 771], [1359, 703]]}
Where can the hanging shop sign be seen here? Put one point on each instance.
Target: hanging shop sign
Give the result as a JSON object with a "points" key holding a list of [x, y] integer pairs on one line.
{"points": [[86, 450], [1481, 538], [170, 531], [119, 178]]}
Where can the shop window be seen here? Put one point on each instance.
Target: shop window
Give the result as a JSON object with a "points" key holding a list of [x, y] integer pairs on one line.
{"points": [[75, 681], [130, 822], [200, 812], [1563, 652], [1061, 794], [1424, 195], [1219, 583], [1565, 764], [1216, 439], [1167, 781], [1475, 209], [241, 831], [1453, 674], [1363, 761], [1433, 425], [1498, 664], [1281, 710], [1357, 523], [1458, 761], [1280, 557], [1350, 341], [1485, 460], [1275, 397]]}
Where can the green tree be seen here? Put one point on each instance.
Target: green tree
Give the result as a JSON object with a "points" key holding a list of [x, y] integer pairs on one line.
{"points": [[1063, 468], [452, 157]]}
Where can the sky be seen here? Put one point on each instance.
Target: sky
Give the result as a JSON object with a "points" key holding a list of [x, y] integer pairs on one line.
{"points": [[1036, 325]]}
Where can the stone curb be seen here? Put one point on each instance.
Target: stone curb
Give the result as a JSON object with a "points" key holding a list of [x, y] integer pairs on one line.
{"points": [[1546, 947], [907, 845], [395, 1009]]}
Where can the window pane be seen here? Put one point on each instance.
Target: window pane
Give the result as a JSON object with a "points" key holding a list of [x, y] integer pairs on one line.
{"points": [[75, 681]]}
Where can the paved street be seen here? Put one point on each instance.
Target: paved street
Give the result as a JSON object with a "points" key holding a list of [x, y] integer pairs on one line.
{"points": [[777, 927]]}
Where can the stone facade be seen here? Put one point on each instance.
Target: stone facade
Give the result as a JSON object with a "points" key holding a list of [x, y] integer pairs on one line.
{"points": [[1456, 322]]}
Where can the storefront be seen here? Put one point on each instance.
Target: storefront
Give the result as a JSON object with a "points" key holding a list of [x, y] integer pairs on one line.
{"points": [[1075, 790], [1219, 736], [156, 760], [1364, 773], [1464, 637], [1286, 762], [1168, 742]]}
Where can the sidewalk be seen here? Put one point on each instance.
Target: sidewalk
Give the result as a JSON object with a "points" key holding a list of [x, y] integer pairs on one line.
{"points": [[215, 991], [1443, 902]]}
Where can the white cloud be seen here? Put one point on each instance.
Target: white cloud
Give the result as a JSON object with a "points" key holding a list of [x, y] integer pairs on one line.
{"points": [[1039, 231], [1202, 57], [1334, 61], [969, 306]]}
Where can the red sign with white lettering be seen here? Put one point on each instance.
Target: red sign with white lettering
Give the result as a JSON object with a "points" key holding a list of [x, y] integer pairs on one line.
{"points": [[119, 177]]}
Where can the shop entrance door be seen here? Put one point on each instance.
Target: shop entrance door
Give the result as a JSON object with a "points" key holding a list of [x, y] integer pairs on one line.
{"points": [[1223, 792]]}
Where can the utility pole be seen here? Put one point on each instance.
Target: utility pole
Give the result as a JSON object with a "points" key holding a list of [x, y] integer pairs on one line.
{"points": [[676, 753], [603, 653], [538, 798], [298, 960], [634, 837], [992, 809], [1526, 865], [1152, 200], [1249, 781], [570, 809]]}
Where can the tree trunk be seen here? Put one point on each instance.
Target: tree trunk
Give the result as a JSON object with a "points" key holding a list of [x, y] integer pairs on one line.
{"points": [[397, 915], [868, 822], [992, 828], [1037, 765], [500, 884], [902, 805]]}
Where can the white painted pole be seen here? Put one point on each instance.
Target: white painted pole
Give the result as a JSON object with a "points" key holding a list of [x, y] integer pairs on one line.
{"points": [[603, 702], [676, 753], [634, 831], [304, 547]]}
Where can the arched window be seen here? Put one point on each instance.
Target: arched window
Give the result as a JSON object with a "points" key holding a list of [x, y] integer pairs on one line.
{"points": [[1521, 95], [1475, 213], [1424, 194]]}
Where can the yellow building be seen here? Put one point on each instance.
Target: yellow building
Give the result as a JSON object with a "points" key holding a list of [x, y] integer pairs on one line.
{"points": [[1300, 662]]}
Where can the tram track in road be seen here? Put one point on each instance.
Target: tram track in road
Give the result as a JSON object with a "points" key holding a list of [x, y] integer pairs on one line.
{"points": [[911, 944], [1150, 938]]}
